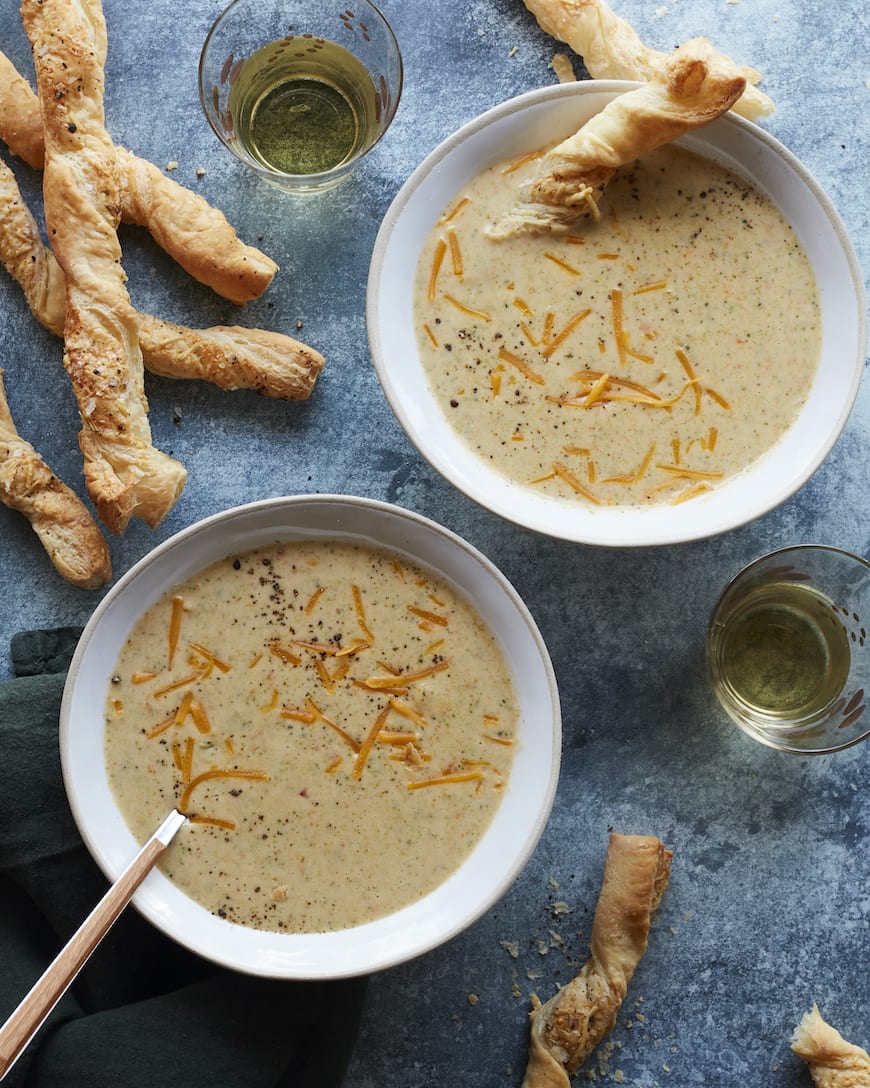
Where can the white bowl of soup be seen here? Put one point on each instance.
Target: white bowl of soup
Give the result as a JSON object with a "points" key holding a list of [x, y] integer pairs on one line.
{"points": [[666, 372], [356, 712]]}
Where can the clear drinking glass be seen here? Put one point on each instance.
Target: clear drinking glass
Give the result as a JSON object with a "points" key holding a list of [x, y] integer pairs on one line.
{"points": [[787, 649], [300, 90]]}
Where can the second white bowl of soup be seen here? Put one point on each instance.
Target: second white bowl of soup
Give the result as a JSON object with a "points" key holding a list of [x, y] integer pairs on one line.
{"points": [[672, 369], [355, 711]]}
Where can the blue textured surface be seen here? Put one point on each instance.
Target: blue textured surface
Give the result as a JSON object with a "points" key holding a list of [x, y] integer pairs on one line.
{"points": [[768, 906]]}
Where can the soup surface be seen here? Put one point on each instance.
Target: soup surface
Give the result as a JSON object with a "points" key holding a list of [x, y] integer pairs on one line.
{"points": [[640, 359], [338, 723]]}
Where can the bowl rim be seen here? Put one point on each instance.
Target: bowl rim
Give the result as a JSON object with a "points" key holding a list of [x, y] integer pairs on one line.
{"points": [[371, 946], [630, 527]]}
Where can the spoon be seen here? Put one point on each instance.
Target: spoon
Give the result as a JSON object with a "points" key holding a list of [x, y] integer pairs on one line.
{"points": [[26, 1020]]}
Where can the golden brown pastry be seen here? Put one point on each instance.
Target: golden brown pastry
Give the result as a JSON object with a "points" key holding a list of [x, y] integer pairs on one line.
{"points": [[693, 88], [191, 231], [231, 357], [68, 532], [227, 356], [572, 1023], [125, 475], [20, 119], [611, 49], [833, 1062], [186, 226]]}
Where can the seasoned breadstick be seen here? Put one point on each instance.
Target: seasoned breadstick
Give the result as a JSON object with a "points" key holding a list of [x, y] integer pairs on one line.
{"points": [[59, 518], [573, 1022], [20, 119], [694, 87], [186, 226], [833, 1062], [191, 231], [611, 49], [125, 475], [229, 357]]}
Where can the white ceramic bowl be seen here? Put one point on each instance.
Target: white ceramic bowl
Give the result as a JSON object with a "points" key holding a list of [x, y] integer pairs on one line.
{"points": [[524, 124], [495, 861]]}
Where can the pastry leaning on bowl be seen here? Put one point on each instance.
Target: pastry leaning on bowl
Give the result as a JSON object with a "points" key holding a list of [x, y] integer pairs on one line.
{"points": [[694, 86]]}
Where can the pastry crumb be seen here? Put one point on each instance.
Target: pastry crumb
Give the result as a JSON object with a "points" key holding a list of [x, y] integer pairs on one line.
{"points": [[511, 947], [171, 165], [561, 65], [514, 51], [200, 171], [473, 999]]}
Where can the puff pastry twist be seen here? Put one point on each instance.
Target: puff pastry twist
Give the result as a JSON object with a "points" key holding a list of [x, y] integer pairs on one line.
{"points": [[833, 1062], [67, 531], [195, 234], [125, 475], [611, 49], [566, 1029], [230, 357], [693, 88]]}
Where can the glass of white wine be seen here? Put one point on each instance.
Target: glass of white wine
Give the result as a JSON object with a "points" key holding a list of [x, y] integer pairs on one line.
{"points": [[787, 649], [300, 90]]}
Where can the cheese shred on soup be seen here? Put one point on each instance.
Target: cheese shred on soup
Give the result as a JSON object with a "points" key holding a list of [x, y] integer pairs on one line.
{"points": [[338, 724], [642, 358]]}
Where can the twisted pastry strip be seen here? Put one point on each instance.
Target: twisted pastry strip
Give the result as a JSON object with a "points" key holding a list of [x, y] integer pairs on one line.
{"points": [[186, 226], [611, 49], [227, 356], [573, 1022], [68, 532], [125, 475], [693, 88], [833, 1062]]}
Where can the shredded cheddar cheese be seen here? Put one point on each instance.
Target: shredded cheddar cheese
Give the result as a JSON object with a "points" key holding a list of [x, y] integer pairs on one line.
{"points": [[565, 332], [455, 253], [470, 311], [564, 265], [205, 776], [360, 613], [524, 160], [446, 779], [314, 598], [564, 473], [365, 748], [176, 613], [437, 261], [521, 365], [452, 214]]}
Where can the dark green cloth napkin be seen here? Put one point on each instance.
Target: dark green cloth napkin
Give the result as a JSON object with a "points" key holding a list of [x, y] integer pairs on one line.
{"points": [[144, 1011]]}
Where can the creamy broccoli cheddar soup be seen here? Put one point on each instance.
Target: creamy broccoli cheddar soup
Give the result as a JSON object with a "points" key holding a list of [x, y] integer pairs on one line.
{"points": [[337, 723], [643, 357]]}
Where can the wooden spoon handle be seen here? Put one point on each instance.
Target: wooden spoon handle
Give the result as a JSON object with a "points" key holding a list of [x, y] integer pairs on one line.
{"points": [[26, 1020]]}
